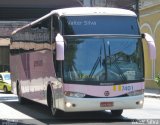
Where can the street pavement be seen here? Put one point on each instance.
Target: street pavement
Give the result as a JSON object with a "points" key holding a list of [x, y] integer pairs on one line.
{"points": [[12, 113], [8, 97]]}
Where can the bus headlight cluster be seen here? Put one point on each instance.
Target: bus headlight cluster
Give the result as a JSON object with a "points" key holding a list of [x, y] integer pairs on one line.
{"points": [[137, 92], [74, 94]]}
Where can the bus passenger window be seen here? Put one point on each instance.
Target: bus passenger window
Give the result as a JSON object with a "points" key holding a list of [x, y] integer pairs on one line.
{"points": [[55, 26]]}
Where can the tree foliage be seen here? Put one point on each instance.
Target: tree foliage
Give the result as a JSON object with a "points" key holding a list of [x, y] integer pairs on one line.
{"points": [[157, 80]]}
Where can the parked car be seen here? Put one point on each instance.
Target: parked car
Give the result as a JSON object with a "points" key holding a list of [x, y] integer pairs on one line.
{"points": [[5, 82]]}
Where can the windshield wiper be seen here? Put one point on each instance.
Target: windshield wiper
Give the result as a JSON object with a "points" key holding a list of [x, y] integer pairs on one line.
{"points": [[115, 63], [120, 71], [94, 67], [98, 61], [105, 59]]}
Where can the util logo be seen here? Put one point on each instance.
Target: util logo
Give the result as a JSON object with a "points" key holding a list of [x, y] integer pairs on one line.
{"points": [[106, 93]]}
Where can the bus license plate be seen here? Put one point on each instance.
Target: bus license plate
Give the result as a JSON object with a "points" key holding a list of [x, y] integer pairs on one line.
{"points": [[106, 104]]}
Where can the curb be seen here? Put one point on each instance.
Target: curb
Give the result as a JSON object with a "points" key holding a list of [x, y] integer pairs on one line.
{"points": [[152, 95]]}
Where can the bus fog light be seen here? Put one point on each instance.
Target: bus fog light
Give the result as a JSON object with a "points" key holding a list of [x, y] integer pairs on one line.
{"points": [[139, 102], [68, 104]]}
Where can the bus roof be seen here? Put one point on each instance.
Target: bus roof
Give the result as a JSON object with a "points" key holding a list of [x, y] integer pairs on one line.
{"points": [[93, 11], [83, 11]]}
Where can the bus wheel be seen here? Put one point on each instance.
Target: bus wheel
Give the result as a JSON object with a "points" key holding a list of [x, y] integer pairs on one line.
{"points": [[5, 89], [116, 112], [19, 93], [52, 106]]}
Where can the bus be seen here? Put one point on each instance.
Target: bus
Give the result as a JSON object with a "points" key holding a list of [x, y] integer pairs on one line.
{"points": [[81, 59]]}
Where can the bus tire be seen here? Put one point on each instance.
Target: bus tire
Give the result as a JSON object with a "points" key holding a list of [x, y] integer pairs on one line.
{"points": [[5, 89], [19, 94], [116, 112], [51, 103]]}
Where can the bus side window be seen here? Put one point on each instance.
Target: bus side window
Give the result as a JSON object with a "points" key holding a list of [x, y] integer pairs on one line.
{"points": [[55, 30], [55, 26]]}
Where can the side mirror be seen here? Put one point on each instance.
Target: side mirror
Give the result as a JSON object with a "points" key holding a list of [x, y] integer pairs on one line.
{"points": [[151, 45], [59, 47]]}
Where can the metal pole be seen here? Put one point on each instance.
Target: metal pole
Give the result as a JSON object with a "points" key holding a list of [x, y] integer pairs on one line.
{"points": [[137, 8]]}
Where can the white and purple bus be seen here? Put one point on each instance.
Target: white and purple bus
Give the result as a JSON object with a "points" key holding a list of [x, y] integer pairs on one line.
{"points": [[81, 59]]}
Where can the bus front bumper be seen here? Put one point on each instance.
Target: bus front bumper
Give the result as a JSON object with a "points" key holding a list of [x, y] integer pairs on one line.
{"points": [[99, 104]]}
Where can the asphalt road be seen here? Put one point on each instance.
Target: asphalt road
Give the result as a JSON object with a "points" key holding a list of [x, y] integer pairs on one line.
{"points": [[12, 113]]}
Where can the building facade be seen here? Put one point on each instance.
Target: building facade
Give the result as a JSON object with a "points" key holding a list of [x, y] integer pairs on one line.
{"points": [[150, 23], [6, 28], [126, 4]]}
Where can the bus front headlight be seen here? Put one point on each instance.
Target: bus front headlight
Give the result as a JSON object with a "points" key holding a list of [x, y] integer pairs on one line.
{"points": [[74, 94]]}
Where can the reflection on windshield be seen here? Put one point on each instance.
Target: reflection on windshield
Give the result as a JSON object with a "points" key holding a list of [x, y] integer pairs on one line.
{"points": [[103, 60]]}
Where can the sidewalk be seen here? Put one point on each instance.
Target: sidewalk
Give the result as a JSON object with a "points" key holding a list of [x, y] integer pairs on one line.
{"points": [[7, 97], [152, 93]]}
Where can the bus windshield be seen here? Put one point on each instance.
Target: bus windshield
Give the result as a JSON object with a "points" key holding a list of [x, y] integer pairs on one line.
{"points": [[103, 60], [78, 25], [7, 77]]}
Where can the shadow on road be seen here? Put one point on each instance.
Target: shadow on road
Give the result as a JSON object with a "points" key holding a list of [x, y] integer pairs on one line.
{"points": [[42, 113], [1, 92]]}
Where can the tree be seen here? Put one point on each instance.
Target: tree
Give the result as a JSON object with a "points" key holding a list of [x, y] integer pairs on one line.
{"points": [[157, 80]]}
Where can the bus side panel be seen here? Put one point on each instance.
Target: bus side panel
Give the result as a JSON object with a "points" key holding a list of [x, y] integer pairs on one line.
{"points": [[49, 77], [19, 73], [42, 73], [34, 71], [14, 72]]}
